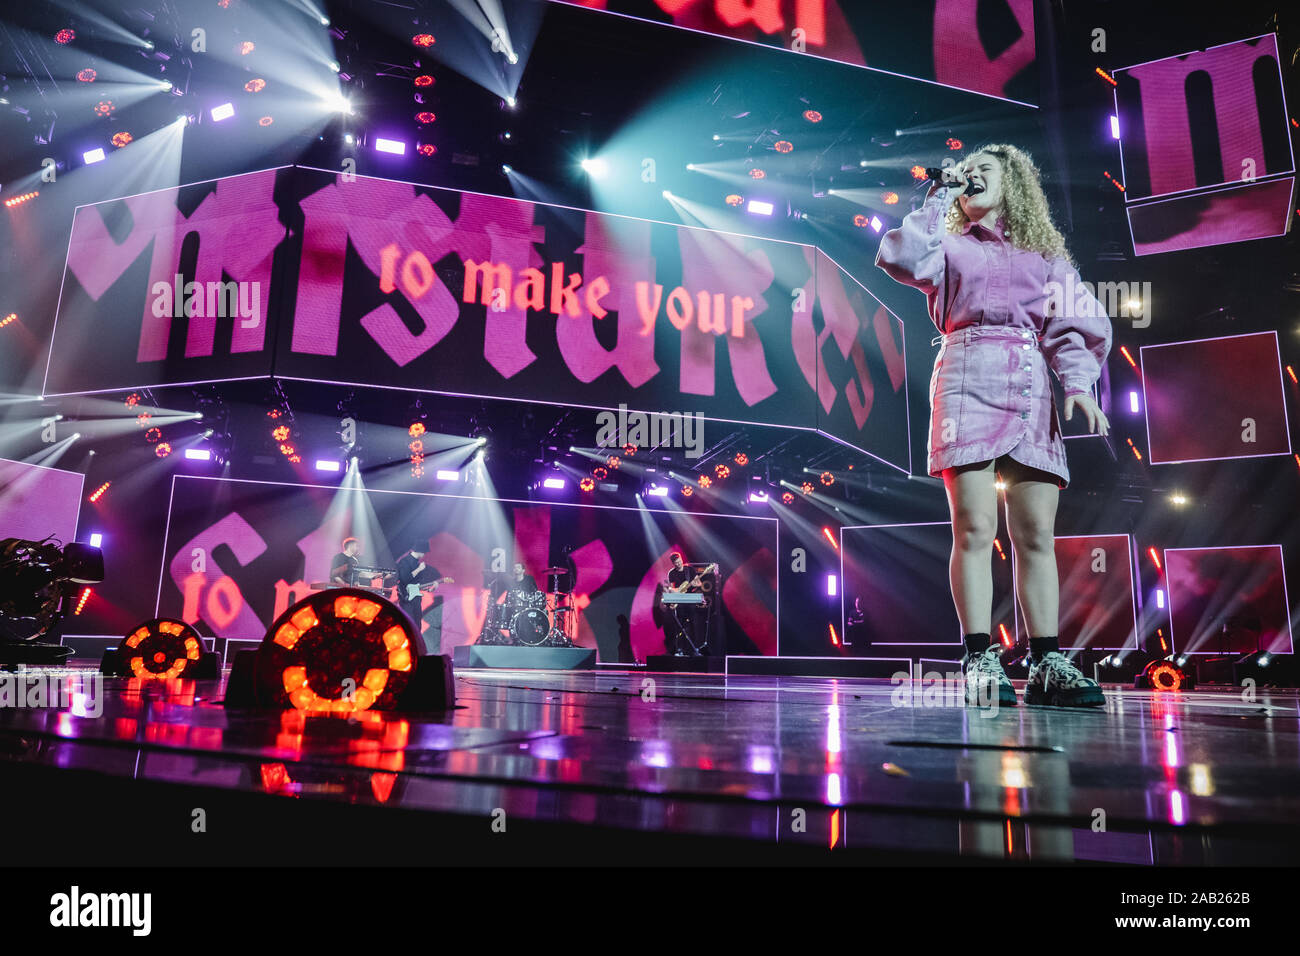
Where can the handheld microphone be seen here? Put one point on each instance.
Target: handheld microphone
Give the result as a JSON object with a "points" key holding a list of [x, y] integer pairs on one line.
{"points": [[936, 173]]}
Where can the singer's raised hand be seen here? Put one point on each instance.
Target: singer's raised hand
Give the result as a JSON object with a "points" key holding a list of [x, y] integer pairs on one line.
{"points": [[954, 176]]}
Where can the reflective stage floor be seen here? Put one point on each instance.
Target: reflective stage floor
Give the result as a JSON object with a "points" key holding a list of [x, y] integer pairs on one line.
{"points": [[594, 766]]}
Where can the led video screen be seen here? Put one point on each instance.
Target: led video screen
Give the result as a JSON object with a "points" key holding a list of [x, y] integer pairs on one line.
{"points": [[1097, 609], [1207, 130], [1215, 398], [1234, 214], [237, 553], [895, 577], [38, 502], [388, 284], [986, 47], [168, 286], [1229, 600], [1203, 119]]}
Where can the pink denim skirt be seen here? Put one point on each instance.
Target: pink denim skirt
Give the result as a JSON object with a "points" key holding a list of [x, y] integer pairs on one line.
{"points": [[990, 395]]}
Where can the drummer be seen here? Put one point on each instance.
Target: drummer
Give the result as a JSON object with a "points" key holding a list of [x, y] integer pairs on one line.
{"points": [[522, 581], [516, 580]]}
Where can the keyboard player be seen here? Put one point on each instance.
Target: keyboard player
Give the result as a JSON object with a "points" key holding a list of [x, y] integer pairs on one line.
{"points": [[688, 618]]}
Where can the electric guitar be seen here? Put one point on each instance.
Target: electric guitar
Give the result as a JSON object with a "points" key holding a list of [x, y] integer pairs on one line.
{"points": [[697, 581], [413, 591]]}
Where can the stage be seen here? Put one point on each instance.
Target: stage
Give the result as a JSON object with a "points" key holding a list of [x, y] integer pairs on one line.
{"points": [[595, 766]]}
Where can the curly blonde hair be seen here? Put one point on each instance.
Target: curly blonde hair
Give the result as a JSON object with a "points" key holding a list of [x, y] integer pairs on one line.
{"points": [[1026, 217]]}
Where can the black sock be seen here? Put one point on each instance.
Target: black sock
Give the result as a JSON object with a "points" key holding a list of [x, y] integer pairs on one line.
{"points": [[977, 643], [1040, 646]]}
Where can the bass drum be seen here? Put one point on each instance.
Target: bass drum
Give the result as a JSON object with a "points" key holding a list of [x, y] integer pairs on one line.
{"points": [[530, 627]]}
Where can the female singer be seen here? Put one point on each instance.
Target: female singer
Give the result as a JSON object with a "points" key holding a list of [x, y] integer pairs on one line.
{"points": [[995, 271]]}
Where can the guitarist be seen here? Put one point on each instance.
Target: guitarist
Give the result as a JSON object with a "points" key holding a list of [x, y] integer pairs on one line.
{"points": [[414, 577]]}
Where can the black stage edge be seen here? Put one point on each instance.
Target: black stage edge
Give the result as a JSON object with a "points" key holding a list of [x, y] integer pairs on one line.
{"points": [[881, 668], [685, 665], [506, 655]]}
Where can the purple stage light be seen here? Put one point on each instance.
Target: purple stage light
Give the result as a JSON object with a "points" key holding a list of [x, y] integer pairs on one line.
{"points": [[446, 474], [96, 540], [1114, 127], [876, 223], [658, 491], [323, 464], [1133, 402], [553, 483], [1160, 598], [760, 208], [93, 155], [395, 146], [832, 585], [198, 454], [758, 496], [222, 112]]}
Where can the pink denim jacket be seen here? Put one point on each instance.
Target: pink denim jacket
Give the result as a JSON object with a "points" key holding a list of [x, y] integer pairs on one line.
{"points": [[1002, 312]]}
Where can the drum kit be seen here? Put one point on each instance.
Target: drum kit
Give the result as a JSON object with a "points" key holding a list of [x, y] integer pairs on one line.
{"points": [[523, 618]]}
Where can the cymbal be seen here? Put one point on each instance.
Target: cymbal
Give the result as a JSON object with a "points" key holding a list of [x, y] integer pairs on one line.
{"points": [[556, 571]]}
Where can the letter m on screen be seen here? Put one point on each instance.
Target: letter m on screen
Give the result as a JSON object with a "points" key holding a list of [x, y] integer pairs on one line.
{"points": [[225, 231], [1203, 119]]}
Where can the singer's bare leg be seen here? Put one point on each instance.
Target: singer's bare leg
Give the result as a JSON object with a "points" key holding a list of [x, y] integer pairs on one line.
{"points": [[1032, 496], [973, 504]]}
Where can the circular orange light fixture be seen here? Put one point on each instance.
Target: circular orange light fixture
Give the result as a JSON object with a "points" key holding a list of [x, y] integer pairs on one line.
{"points": [[788, 498], [339, 651], [121, 139], [161, 649], [423, 39], [954, 144], [827, 478], [705, 481], [860, 221], [783, 146], [742, 459], [757, 173], [600, 474], [722, 471], [246, 48], [426, 149], [687, 491], [87, 75], [104, 108], [918, 172], [162, 449], [587, 484], [416, 429], [265, 121], [255, 85], [424, 80], [424, 116], [889, 198], [812, 116], [806, 487], [735, 199]]}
